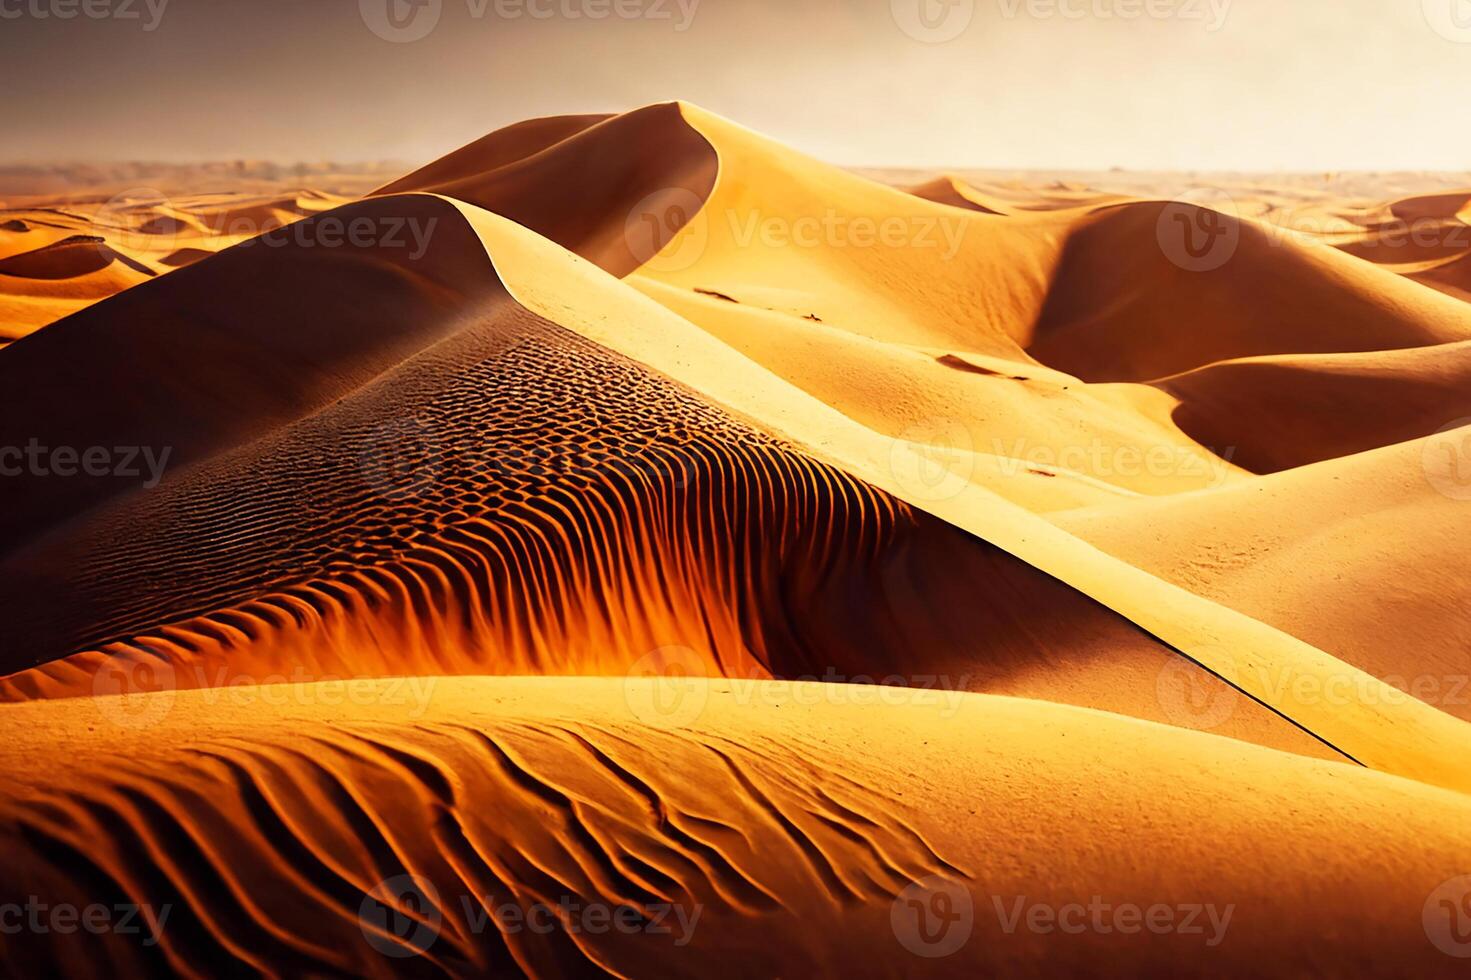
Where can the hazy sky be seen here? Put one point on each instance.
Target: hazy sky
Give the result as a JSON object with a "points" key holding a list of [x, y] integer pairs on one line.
{"points": [[1164, 84]]}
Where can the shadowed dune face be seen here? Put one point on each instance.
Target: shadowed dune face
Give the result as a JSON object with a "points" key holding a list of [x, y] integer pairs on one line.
{"points": [[1121, 309], [579, 180], [232, 348], [435, 522]]}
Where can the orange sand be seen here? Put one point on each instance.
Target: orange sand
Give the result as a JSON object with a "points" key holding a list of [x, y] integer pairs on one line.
{"points": [[1112, 567]]}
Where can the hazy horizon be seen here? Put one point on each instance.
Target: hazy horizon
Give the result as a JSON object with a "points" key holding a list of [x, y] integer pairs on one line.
{"points": [[1054, 85]]}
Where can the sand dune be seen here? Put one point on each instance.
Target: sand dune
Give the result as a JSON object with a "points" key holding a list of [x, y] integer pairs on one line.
{"points": [[761, 852], [1141, 553]]}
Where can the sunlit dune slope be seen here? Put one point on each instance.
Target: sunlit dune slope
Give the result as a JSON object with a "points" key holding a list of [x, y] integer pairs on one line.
{"points": [[770, 828], [507, 497], [1360, 556]]}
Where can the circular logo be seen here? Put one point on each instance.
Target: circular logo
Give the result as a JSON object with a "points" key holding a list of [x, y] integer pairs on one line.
{"points": [[668, 688], [400, 917], [1447, 917], [933, 460], [933, 21], [1446, 460], [1451, 19], [1193, 697], [133, 693], [137, 220], [402, 458], [401, 21], [933, 917], [668, 230], [1200, 230]]}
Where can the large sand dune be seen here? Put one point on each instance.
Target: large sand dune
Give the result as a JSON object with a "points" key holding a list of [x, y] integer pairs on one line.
{"points": [[1080, 552]]}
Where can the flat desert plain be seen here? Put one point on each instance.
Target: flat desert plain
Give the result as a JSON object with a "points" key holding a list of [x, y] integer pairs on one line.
{"points": [[627, 546]]}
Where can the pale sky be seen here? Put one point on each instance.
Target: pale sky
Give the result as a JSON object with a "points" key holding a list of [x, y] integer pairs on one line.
{"points": [[1051, 84]]}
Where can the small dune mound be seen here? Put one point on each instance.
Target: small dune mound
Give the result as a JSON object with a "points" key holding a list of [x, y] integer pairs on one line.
{"points": [[1281, 412], [1148, 290], [70, 258], [15, 225], [185, 256], [949, 190]]}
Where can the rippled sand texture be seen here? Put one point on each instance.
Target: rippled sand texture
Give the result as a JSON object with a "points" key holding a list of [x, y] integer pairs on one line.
{"points": [[1144, 513]]}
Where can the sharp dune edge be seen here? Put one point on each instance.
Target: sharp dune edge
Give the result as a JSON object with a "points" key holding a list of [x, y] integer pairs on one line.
{"points": [[618, 417]]}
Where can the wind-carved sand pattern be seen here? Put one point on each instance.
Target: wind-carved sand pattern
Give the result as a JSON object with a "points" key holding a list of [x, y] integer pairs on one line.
{"points": [[265, 833], [615, 552]]}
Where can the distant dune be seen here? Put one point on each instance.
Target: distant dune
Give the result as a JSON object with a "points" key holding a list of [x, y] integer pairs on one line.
{"points": [[697, 526]]}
